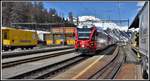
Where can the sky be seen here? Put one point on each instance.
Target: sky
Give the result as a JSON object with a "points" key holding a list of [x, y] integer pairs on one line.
{"points": [[102, 10]]}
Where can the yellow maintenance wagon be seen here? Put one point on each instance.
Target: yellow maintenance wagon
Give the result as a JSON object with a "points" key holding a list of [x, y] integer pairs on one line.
{"points": [[18, 38]]}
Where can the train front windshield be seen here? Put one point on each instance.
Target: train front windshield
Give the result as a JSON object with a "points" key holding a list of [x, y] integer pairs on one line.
{"points": [[84, 33]]}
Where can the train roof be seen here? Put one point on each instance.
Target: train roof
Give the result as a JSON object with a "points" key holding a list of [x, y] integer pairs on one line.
{"points": [[27, 30], [43, 32], [101, 30], [7, 28], [10, 28]]}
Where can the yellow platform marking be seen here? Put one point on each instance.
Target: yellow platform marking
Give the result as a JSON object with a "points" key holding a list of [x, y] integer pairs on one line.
{"points": [[83, 71]]}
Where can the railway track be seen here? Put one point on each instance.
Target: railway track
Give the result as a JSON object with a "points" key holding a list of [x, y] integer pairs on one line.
{"points": [[8, 62], [47, 72], [106, 66], [90, 68], [34, 51], [110, 70], [47, 69]]}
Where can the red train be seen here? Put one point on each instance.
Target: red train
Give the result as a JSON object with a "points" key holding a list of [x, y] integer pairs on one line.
{"points": [[89, 40]]}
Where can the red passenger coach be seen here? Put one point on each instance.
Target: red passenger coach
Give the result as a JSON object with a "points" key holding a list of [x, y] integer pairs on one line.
{"points": [[85, 40]]}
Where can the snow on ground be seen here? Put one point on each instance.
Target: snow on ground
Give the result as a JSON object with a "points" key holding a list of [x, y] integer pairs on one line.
{"points": [[134, 29]]}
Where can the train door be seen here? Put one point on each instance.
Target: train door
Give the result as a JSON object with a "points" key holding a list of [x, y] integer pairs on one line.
{"points": [[5, 35], [5, 39], [94, 40]]}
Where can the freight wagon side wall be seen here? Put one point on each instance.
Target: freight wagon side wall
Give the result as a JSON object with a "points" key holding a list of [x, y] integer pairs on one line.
{"points": [[22, 38]]}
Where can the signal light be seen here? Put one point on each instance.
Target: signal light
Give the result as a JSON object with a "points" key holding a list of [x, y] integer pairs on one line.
{"points": [[83, 46]]}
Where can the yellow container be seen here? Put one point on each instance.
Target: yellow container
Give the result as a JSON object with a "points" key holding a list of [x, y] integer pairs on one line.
{"points": [[70, 42], [49, 42], [58, 42]]}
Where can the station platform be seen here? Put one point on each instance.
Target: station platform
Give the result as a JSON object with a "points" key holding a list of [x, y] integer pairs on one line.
{"points": [[131, 69]]}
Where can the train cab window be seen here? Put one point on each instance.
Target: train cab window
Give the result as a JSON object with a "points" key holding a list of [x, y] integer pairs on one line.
{"points": [[84, 33], [5, 35], [84, 36]]}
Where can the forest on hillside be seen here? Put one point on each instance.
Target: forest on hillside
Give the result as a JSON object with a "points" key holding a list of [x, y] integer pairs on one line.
{"points": [[30, 12]]}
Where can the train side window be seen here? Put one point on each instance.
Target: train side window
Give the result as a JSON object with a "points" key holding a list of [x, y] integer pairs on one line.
{"points": [[5, 35]]}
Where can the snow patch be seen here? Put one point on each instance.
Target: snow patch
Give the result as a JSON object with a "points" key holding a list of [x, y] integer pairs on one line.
{"points": [[87, 20], [134, 29]]}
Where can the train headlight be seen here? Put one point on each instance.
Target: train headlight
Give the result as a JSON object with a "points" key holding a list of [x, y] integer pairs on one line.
{"points": [[92, 44], [83, 46]]}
